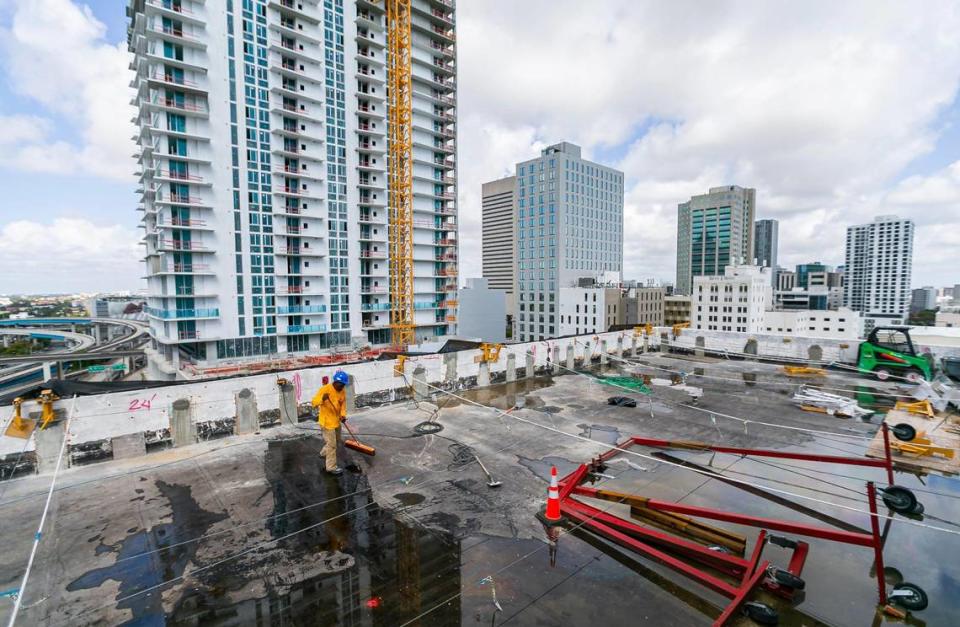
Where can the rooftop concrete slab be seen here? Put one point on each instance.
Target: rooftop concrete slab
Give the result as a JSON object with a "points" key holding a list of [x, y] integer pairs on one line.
{"points": [[249, 528]]}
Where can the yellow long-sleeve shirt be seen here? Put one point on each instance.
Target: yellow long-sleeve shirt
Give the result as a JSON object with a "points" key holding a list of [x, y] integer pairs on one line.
{"points": [[330, 411]]}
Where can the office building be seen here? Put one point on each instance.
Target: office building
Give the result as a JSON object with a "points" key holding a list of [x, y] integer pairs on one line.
{"points": [[263, 187], [879, 263], [842, 324], [714, 230], [786, 280], [644, 305], [569, 226], [804, 270], [483, 312], [735, 301], [765, 242], [923, 298], [676, 309], [497, 232], [813, 286]]}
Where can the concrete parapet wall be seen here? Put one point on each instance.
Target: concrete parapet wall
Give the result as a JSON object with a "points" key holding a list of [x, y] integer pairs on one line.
{"points": [[786, 346], [791, 347], [151, 411]]}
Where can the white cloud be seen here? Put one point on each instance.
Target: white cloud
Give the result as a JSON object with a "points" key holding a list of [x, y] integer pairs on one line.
{"points": [[69, 253], [817, 107], [22, 128], [56, 54], [502, 147]]}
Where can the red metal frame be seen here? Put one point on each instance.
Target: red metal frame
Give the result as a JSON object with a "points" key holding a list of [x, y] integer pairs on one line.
{"points": [[750, 573], [813, 531], [808, 457]]}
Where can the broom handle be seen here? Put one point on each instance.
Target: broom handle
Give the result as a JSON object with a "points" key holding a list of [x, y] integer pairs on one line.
{"points": [[350, 431], [344, 422]]}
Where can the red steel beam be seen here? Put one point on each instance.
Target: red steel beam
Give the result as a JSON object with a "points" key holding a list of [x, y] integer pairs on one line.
{"points": [[886, 452], [810, 457], [571, 481], [741, 596], [755, 557], [876, 543], [714, 583], [614, 451], [730, 564], [799, 558], [834, 535]]}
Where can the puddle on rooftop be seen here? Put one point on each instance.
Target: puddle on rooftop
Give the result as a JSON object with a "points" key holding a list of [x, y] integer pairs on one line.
{"points": [[352, 562], [160, 563], [541, 467], [505, 396], [600, 433]]}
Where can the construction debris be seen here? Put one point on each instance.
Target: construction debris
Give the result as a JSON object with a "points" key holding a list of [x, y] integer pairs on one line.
{"points": [[812, 399], [939, 392]]}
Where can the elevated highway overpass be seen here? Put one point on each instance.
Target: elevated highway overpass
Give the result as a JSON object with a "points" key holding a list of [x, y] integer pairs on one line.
{"points": [[15, 375]]}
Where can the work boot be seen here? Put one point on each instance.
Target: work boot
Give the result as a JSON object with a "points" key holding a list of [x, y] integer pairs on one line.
{"points": [[337, 471]]}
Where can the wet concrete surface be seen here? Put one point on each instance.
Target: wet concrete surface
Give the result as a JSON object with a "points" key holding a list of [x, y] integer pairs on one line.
{"points": [[251, 530]]}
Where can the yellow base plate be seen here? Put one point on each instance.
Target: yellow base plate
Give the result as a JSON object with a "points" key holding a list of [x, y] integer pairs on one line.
{"points": [[22, 428]]}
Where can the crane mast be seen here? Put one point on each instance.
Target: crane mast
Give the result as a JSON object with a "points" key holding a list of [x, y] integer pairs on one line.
{"points": [[400, 168]]}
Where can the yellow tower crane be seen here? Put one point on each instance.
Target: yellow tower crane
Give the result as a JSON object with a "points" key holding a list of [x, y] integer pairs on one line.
{"points": [[400, 164]]}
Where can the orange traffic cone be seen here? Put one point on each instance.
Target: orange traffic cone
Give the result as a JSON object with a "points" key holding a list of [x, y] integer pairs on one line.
{"points": [[551, 515]]}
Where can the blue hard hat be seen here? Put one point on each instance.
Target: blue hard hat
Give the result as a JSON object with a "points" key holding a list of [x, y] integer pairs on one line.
{"points": [[341, 377]]}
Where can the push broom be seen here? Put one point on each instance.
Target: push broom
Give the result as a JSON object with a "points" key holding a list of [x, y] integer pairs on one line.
{"points": [[353, 442], [356, 444]]}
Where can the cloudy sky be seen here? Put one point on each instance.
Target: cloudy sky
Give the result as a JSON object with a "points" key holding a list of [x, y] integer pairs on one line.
{"points": [[835, 112]]}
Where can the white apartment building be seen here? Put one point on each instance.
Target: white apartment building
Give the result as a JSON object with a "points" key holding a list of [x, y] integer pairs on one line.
{"points": [[263, 179], [842, 324], [879, 263], [735, 301], [589, 309], [569, 226]]}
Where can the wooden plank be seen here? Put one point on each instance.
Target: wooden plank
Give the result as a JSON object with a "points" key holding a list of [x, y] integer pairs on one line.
{"points": [[691, 528]]}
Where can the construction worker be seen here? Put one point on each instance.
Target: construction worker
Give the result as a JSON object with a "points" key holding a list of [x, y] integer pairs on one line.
{"points": [[331, 403]]}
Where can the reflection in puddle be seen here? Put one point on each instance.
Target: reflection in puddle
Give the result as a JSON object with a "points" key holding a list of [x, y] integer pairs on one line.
{"points": [[156, 563], [600, 433]]}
